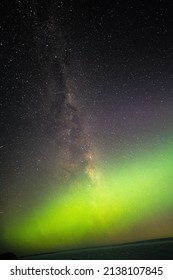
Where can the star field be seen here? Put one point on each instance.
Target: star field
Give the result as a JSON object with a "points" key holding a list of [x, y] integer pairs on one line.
{"points": [[86, 123]]}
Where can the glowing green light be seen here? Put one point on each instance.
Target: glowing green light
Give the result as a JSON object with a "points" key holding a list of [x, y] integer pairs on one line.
{"points": [[125, 198]]}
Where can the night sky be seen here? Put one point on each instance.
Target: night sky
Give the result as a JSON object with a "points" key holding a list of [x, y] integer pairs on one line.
{"points": [[86, 121]]}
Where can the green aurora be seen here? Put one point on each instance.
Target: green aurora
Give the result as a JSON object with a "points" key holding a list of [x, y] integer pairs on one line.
{"points": [[129, 200]]}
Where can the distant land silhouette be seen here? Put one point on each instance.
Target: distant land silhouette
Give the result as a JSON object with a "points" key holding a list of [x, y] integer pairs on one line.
{"points": [[157, 249]]}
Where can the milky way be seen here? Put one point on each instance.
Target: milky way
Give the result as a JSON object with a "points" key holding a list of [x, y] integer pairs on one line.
{"points": [[87, 143]]}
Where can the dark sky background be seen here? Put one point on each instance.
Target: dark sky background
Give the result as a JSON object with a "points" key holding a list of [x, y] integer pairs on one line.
{"points": [[124, 48], [121, 50], [117, 56]]}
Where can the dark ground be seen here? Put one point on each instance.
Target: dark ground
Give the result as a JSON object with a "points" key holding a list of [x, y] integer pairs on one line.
{"points": [[159, 249]]}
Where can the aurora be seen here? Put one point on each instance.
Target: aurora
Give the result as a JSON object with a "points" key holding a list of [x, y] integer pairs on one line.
{"points": [[129, 201], [86, 146]]}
